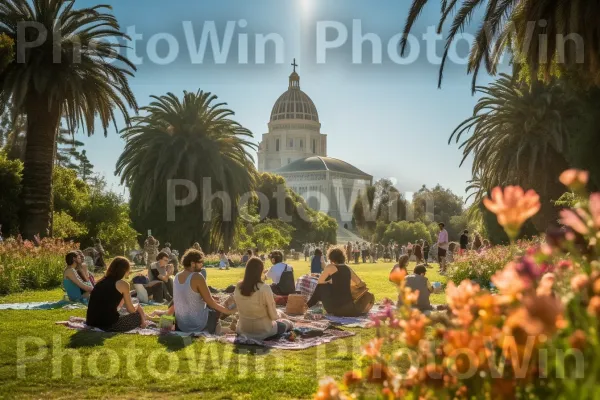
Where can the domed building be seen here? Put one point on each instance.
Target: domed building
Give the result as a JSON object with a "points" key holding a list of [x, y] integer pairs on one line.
{"points": [[296, 149]]}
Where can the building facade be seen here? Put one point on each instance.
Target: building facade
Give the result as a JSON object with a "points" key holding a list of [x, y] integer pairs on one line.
{"points": [[295, 148]]}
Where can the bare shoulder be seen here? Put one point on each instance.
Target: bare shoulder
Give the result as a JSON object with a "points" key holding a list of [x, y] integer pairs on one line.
{"points": [[122, 286]]}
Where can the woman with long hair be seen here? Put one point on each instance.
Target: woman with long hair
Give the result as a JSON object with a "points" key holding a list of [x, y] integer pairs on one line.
{"points": [[108, 296], [340, 290], [258, 317]]}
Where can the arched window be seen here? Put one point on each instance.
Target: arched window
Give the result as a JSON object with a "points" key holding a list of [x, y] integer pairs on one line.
{"points": [[276, 144]]}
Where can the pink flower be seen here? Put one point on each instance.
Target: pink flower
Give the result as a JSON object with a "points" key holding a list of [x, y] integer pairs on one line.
{"points": [[512, 207], [574, 179], [572, 220], [595, 208]]}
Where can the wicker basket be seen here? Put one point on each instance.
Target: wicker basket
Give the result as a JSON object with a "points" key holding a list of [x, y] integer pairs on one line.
{"points": [[296, 304]]}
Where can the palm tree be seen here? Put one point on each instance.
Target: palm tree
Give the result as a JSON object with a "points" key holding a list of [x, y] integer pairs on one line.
{"points": [[520, 136], [78, 76], [190, 138], [517, 25]]}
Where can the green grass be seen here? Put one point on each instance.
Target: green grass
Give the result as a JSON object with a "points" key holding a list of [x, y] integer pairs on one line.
{"points": [[133, 366]]}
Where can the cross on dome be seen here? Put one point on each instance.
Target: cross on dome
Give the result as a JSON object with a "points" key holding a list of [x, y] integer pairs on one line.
{"points": [[294, 77]]}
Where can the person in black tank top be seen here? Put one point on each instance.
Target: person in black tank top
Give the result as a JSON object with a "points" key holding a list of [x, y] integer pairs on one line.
{"points": [[334, 288], [106, 298]]}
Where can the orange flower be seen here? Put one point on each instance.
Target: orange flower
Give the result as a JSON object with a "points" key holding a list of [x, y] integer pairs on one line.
{"points": [[414, 328], [377, 373], [594, 306], [373, 347], [595, 209], [574, 179], [398, 275], [578, 339], [513, 207], [546, 284], [351, 378], [328, 390], [578, 282]]}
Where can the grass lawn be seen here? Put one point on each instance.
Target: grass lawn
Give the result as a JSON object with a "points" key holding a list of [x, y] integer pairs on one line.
{"points": [[39, 359]]}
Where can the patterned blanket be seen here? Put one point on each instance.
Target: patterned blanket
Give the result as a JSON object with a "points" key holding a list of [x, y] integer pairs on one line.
{"points": [[43, 305], [326, 334]]}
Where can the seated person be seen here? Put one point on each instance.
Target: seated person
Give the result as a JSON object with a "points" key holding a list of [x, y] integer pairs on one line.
{"points": [[258, 317], [223, 260], [334, 288], [161, 271], [246, 257], [109, 294], [275, 273], [402, 264], [418, 281], [317, 263], [77, 289], [194, 308], [83, 271]]}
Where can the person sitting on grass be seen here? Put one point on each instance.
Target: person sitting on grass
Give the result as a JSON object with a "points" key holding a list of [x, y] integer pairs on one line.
{"points": [[161, 271], [83, 271], [246, 257], [258, 317], [110, 293], [281, 287], [77, 289], [317, 263], [335, 289], [223, 260], [402, 264], [194, 308], [417, 281]]}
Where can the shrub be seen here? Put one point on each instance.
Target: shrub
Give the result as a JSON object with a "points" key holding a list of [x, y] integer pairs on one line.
{"points": [[479, 267], [24, 265]]}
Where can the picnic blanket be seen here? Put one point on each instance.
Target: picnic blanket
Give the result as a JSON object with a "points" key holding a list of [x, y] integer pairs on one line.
{"points": [[283, 343], [363, 321], [43, 305]]}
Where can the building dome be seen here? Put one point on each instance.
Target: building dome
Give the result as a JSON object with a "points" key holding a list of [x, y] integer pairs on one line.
{"points": [[318, 163], [294, 103]]}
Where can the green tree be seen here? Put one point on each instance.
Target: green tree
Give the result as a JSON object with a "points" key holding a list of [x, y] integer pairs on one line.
{"points": [[193, 139], [65, 227], [67, 149], [511, 25], [7, 50], [405, 231], [381, 202], [10, 182], [520, 136], [91, 80], [436, 205], [85, 168]]}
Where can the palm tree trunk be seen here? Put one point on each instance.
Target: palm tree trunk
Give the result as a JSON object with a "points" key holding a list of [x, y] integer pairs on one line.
{"points": [[43, 117]]}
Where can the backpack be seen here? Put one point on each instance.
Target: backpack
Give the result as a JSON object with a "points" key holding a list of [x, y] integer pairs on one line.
{"points": [[287, 283]]}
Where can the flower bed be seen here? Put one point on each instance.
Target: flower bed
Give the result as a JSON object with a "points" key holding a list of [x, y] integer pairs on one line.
{"points": [[479, 267], [23, 265], [536, 338]]}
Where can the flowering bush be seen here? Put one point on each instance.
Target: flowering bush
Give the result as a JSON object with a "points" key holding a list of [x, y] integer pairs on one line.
{"points": [[481, 266], [537, 337], [27, 265]]}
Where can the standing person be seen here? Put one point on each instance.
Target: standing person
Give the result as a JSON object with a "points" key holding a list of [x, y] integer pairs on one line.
{"points": [[306, 251], [247, 256], [317, 263], [99, 264], [258, 316], [349, 251], [363, 252], [194, 307], [356, 252], [477, 242], [397, 251], [151, 250], [223, 261], [418, 251], [409, 249], [426, 252], [442, 245], [464, 242], [107, 297]]}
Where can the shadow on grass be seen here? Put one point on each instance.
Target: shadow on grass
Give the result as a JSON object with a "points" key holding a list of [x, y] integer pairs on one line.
{"points": [[88, 339], [174, 342], [245, 349]]}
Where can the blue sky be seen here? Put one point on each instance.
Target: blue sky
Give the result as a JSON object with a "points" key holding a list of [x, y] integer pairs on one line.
{"points": [[389, 120]]}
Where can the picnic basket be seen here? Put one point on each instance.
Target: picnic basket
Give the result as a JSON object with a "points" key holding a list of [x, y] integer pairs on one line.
{"points": [[296, 304]]}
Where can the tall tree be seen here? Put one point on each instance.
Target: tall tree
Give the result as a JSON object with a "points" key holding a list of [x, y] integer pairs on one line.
{"points": [[514, 25], [67, 152], [436, 205], [191, 138], [73, 73], [520, 136]]}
